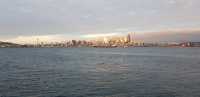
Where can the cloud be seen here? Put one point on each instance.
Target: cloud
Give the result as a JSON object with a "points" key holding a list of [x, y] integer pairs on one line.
{"points": [[100, 35], [172, 1], [47, 17]]}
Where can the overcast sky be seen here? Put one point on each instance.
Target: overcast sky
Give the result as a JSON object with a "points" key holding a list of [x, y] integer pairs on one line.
{"points": [[73, 18]]}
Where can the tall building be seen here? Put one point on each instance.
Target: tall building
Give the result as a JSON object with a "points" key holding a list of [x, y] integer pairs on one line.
{"points": [[129, 37], [132, 34], [105, 40]]}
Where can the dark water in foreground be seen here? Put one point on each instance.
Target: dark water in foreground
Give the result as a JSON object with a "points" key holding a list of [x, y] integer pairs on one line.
{"points": [[88, 72]]}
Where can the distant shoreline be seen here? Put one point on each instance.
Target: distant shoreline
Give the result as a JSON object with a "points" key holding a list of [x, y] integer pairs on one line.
{"points": [[102, 45], [97, 47]]}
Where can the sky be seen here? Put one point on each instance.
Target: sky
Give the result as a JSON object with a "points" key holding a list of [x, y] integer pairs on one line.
{"points": [[56, 20]]}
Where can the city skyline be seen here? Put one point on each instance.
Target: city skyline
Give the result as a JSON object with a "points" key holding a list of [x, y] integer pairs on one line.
{"points": [[53, 20], [164, 36]]}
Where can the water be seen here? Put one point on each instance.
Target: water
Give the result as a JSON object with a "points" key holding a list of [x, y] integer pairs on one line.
{"points": [[90, 72]]}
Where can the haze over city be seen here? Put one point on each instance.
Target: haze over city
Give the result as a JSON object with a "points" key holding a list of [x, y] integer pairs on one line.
{"points": [[22, 21]]}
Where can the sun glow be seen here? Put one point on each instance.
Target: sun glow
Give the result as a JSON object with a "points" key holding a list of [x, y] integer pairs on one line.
{"points": [[100, 35], [33, 39]]}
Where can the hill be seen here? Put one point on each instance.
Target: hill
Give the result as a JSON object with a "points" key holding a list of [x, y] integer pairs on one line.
{"points": [[8, 44]]}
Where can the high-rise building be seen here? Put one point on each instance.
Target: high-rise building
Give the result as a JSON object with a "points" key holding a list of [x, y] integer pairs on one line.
{"points": [[132, 36], [129, 37]]}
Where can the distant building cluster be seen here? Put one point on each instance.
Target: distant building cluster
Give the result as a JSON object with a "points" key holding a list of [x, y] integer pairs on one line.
{"points": [[72, 43], [128, 40], [104, 42], [117, 41]]}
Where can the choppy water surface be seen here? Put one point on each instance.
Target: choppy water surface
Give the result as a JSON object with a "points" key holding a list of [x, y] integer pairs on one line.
{"points": [[90, 72]]}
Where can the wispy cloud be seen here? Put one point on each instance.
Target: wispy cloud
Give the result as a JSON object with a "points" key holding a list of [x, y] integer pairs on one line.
{"points": [[100, 35]]}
